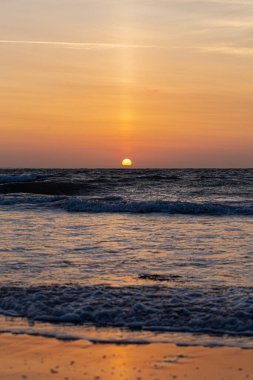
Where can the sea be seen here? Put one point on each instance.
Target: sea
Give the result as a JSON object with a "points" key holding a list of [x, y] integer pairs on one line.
{"points": [[128, 256]]}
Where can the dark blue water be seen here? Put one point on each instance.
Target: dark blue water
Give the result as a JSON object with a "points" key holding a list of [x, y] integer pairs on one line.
{"points": [[196, 192], [160, 251]]}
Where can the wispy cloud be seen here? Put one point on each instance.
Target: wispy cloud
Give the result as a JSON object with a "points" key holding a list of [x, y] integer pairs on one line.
{"points": [[222, 2], [230, 50], [79, 45], [239, 24]]}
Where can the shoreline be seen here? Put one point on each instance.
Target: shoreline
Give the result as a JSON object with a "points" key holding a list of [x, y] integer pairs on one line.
{"points": [[39, 358]]}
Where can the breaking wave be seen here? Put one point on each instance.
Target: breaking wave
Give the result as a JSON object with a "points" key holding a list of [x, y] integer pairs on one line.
{"points": [[153, 308], [168, 207], [117, 204]]}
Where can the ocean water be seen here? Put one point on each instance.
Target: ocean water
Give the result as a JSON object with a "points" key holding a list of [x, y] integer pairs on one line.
{"points": [[128, 255]]}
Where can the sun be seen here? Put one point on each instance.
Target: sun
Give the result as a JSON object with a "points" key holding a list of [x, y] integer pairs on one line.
{"points": [[127, 162]]}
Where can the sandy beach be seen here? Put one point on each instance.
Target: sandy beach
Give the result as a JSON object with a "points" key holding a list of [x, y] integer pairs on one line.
{"points": [[26, 357]]}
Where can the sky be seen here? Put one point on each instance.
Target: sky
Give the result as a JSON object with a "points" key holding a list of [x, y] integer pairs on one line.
{"points": [[86, 83]]}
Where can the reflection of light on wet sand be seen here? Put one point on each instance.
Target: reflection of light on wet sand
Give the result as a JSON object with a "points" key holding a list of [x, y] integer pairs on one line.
{"points": [[24, 357]]}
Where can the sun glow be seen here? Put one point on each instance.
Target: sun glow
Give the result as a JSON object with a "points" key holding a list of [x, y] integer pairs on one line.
{"points": [[127, 162]]}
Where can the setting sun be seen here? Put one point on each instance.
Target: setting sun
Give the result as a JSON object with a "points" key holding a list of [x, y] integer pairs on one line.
{"points": [[127, 162]]}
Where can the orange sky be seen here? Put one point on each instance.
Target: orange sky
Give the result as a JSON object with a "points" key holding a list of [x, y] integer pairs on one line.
{"points": [[87, 83]]}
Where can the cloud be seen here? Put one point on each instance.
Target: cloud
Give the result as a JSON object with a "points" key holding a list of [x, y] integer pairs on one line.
{"points": [[78, 45], [230, 50], [221, 2], [233, 23]]}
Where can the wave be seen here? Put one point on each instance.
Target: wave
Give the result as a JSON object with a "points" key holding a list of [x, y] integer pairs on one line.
{"points": [[20, 178], [76, 204], [152, 308], [27, 199], [117, 204], [183, 340]]}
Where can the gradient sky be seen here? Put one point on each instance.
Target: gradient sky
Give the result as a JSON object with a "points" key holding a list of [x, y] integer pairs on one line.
{"points": [[85, 83]]}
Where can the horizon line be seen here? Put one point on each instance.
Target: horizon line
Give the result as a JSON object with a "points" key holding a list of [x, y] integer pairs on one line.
{"points": [[127, 168]]}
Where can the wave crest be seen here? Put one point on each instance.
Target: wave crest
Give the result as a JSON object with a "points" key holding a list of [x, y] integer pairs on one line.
{"points": [[117, 204], [19, 178], [102, 205]]}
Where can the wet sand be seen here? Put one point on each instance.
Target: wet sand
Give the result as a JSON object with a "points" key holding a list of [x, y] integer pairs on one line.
{"points": [[37, 358]]}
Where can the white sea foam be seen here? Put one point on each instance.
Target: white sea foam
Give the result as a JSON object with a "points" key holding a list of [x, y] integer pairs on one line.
{"points": [[155, 308], [183, 340], [118, 336]]}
